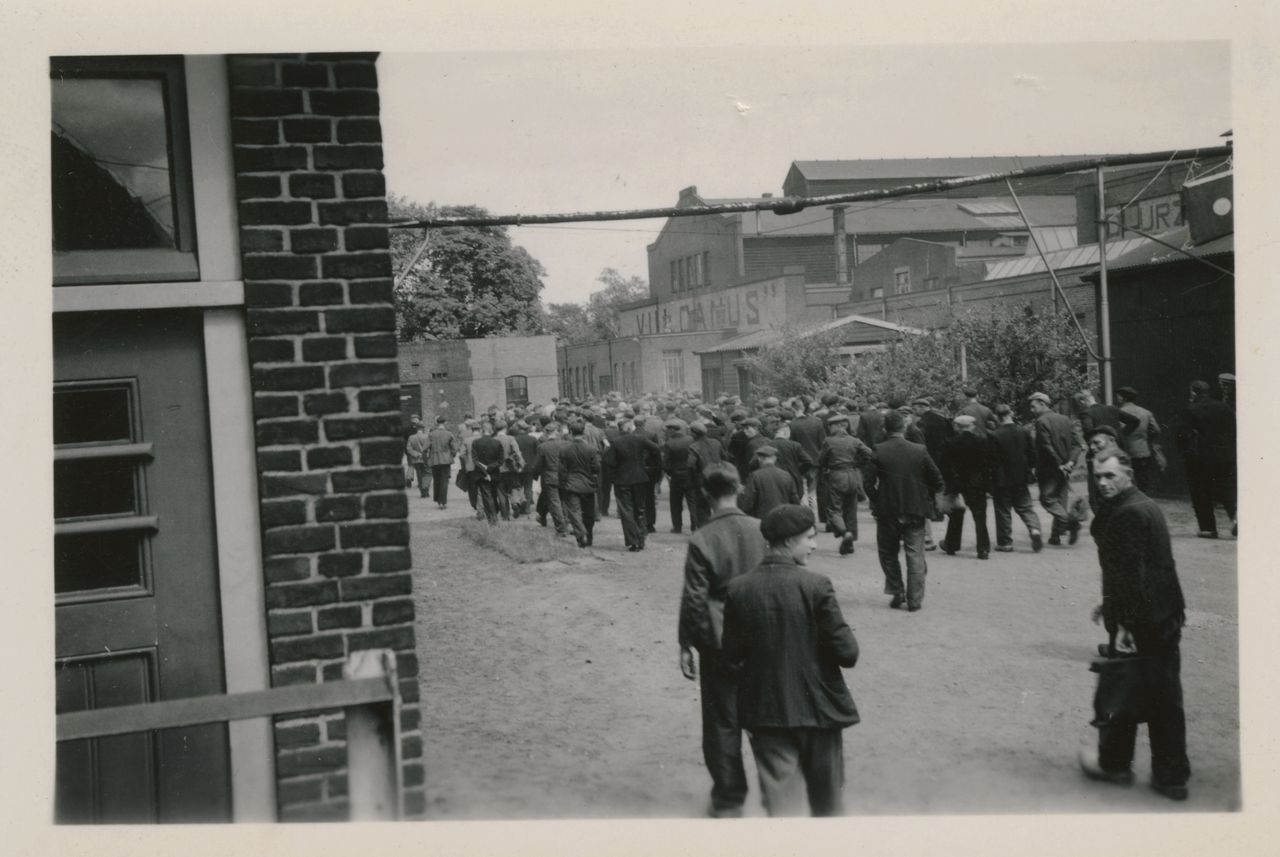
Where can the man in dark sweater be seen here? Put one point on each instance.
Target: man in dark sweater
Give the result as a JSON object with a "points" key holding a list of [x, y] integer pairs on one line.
{"points": [[1142, 605], [769, 486], [1014, 454], [675, 463], [488, 454], [1207, 440], [968, 468], [632, 458], [704, 453], [579, 478]]}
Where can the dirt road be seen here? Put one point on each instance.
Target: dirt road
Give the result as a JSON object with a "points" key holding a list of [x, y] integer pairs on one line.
{"points": [[553, 691]]}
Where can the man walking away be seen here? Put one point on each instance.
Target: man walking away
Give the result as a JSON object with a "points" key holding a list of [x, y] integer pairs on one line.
{"points": [[840, 467], [579, 471], [786, 635], [984, 419], [902, 480], [528, 445], [1207, 441], [1057, 448], [769, 486], [488, 454], [442, 446], [704, 454], [1014, 454], [726, 545], [631, 458], [1140, 439], [415, 449], [546, 464], [1142, 604], [968, 469], [1093, 414], [675, 463]]}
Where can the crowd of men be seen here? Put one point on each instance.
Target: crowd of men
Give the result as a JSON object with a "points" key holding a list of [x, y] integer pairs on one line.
{"points": [[759, 482]]}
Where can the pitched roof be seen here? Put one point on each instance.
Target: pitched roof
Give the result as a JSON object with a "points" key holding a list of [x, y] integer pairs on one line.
{"points": [[930, 214], [760, 338], [1074, 257], [1154, 253], [922, 168]]}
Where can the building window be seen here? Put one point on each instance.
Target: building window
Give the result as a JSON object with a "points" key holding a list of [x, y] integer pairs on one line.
{"points": [[675, 276], [635, 385], [706, 268], [901, 281], [695, 266], [673, 366], [517, 390], [121, 165], [877, 292], [439, 376], [591, 378]]}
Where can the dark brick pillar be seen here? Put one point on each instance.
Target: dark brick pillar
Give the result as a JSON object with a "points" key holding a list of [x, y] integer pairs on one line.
{"points": [[317, 271]]}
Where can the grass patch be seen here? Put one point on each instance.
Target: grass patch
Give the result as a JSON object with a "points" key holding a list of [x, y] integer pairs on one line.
{"points": [[522, 541]]}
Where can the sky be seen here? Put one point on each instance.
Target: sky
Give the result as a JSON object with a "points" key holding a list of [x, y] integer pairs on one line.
{"points": [[548, 131]]}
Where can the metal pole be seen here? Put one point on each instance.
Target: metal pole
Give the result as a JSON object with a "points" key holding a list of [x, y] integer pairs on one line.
{"points": [[1104, 303]]}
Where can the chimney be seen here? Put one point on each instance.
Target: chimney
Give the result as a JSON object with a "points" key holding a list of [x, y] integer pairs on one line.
{"points": [[766, 196], [688, 196], [842, 253]]}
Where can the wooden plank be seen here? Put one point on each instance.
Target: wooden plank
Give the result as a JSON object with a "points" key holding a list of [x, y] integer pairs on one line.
{"points": [[107, 525], [103, 450], [193, 711]]}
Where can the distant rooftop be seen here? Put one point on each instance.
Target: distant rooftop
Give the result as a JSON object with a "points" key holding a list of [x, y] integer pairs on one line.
{"points": [[923, 168]]}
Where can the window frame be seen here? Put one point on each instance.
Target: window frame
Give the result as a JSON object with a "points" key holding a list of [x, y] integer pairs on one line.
{"points": [[140, 265]]}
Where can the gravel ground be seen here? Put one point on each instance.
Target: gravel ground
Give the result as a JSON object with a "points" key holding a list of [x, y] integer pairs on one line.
{"points": [[553, 690]]}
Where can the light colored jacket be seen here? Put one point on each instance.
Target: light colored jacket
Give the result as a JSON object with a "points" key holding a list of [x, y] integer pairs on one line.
{"points": [[1139, 440]]}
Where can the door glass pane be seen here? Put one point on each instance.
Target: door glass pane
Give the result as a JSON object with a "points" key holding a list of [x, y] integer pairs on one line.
{"points": [[112, 169], [97, 561], [94, 487], [95, 415]]}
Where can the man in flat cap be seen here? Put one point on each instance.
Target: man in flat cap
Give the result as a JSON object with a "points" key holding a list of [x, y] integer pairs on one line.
{"points": [[631, 458], [769, 486], [787, 638], [968, 468], [1015, 456], [1227, 389], [984, 419], [546, 464], [1141, 440], [1057, 449], [840, 466], [705, 453], [442, 446], [1099, 442], [415, 449], [901, 482], [809, 431], [726, 545], [675, 463]]}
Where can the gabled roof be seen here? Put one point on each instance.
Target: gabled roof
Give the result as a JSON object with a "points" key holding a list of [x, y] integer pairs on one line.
{"points": [[930, 214], [759, 338], [922, 168], [1075, 257]]}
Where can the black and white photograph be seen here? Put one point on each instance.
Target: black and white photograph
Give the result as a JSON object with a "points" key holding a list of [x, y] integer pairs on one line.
{"points": [[562, 426]]}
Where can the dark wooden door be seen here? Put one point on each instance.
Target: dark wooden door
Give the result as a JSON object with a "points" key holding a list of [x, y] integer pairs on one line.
{"points": [[135, 578]]}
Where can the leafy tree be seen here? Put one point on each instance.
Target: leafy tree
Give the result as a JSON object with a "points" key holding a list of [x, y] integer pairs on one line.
{"points": [[795, 365], [468, 282], [598, 318]]}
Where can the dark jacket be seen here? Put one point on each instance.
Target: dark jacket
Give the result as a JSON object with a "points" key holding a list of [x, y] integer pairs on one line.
{"points": [[871, 427], [488, 453], [793, 459], [1056, 443], [547, 462], [1099, 414], [1014, 455], [968, 463], [1140, 588], [1208, 431], [984, 418], [809, 432], [767, 488], [675, 456], [528, 449], [704, 452], [727, 545], [579, 467], [787, 639], [936, 430], [632, 458], [902, 479]]}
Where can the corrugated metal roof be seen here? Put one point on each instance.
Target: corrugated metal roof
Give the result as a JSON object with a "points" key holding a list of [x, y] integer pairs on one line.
{"points": [[759, 338], [919, 168], [1075, 257], [909, 215], [1152, 253], [982, 207], [1054, 238]]}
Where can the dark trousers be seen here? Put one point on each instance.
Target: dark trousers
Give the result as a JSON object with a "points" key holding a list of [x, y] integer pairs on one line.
{"points": [[603, 495], [907, 532], [580, 509], [679, 492], [1055, 497], [820, 491], [650, 521], [787, 758], [490, 495], [526, 488], [1167, 727], [1211, 482], [1008, 500], [699, 508], [422, 471], [549, 501], [506, 483], [976, 503], [440, 483], [631, 510], [473, 490], [721, 735], [842, 501], [1144, 473]]}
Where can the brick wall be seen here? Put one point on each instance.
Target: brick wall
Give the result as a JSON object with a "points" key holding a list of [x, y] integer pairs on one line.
{"points": [[317, 270]]}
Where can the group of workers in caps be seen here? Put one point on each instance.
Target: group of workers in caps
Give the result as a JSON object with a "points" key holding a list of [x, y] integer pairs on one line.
{"points": [[760, 482]]}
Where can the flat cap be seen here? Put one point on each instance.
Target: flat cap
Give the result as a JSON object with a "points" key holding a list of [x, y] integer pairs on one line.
{"points": [[923, 400], [1107, 430], [785, 521], [837, 418], [964, 421], [1040, 397], [771, 402], [1128, 393], [1226, 376], [698, 427], [674, 423], [752, 422], [767, 452], [440, 420], [738, 416]]}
